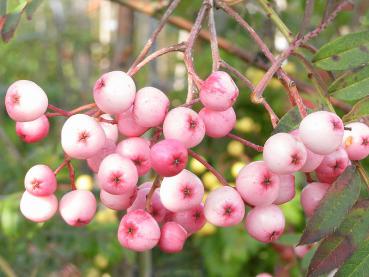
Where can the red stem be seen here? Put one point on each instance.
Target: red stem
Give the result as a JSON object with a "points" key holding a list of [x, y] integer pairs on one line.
{"points": [[155, 185], [246, 142]]}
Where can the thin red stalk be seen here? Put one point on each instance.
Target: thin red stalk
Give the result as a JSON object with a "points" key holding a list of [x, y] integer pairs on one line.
{"points": [[155, 185], [83, 108], [61, 166], [213, 39], [247, 143], [273, 117], [219, 176], [238, 74], [71, 175], [58, 110]]}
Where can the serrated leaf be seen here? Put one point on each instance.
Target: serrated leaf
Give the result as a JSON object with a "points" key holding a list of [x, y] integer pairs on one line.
{"points": [[333, 208], [345, 52], [335, 249], [359, 110], [358, 264], [351, 87], [289, 122], [31, 8], [11, 22]]}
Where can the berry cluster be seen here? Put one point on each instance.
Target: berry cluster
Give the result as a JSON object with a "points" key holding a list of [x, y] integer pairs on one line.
{"points": [[168, 210]]}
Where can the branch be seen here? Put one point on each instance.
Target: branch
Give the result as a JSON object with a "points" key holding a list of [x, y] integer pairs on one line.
{"points": [[213, 39], [155, 185], [247, 143], [309, 8]]}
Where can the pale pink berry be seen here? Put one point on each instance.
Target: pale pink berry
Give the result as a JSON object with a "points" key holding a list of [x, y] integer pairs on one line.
{"points": [[321, 132], [25, 101], [182, 191], [218, 92], [38, 208], [150, 107], [283, 154], [33, 131], [224, 207], [257, 185], [266, 223], [192, 219], [356, 141], [333, 165], [173, 237], [128, 126], [114, 92], [82, 137], [138, 231], [218, 123], [312, 160], [158, 210], [117, 175], [118, 202], [301, 250], [77, 207], [138, 151], [110, 130], [185, 125], [95, 161], [168, 157], [40, 180], [286, 189], [311, 196]]}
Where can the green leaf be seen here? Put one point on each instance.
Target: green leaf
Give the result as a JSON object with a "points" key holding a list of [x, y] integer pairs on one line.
{"points": [[11, 22], [345, 52], [333, 208], [290, 121], [359, 110], [3, 5], [290, 239], [358, 264], [352, 86], [335, 249], [31, 8]]}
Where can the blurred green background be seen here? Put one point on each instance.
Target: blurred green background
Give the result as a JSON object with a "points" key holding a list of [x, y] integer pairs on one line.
{"points": [[64, 49]]}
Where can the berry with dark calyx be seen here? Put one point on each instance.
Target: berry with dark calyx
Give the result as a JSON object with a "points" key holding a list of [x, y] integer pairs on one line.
{"points": [[356, 141], [33, 131], [40, 180], [192, 219]]}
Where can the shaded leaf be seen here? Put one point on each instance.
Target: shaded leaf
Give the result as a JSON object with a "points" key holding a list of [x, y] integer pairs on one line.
{"points": [[335, 249], [31, 8], [3, 5], [351, 87], [290, 121], [11, 22], [333, 208], [358, 264], [290, 239], [359, 110], [345, 52]]}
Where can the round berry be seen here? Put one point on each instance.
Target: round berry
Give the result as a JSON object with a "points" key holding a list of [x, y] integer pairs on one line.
{"points": [[218, 123], [265, 224], [321, 132], [173, 237], [192, 219], [82, 137], [257, 185], [356, 141], [286, 189], [118, 202], [25, 101], [128, 126], [311, 196], [150, 107], [40, 180], [33, 131], [168, 157], [114, 92], [185, 125], [95, 161], [38, 208], [218, 92], [224, 207]]}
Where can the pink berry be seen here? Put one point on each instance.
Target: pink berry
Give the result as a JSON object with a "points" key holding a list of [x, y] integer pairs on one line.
{"points": [[257, 185], [138, 151], [265, 224], [311, 196], [77, 207], [168, 157], [128, 126], [110, 130], [118, 202], [185, 125], [321, 132], [182, 191], [286, 189], [356, 141], [95, 161], [25, 101], [33, 131], [158, 211], [82, 137], [117, 175], [218, 92], [38, 208], [114, 92], [283, 154], [333, 165], [40, 180], [218, 123], [150, 107], [312, 160], [224, 207], [173, 237], [138, 231], [192, 219]]}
